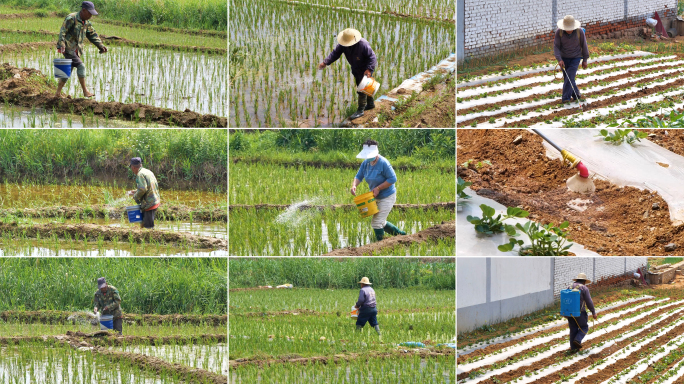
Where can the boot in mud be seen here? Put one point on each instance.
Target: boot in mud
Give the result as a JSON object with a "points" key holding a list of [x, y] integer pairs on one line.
{"points": [[392, 229], [362, 106], [379, 233], [377, 329], [370, 104]]}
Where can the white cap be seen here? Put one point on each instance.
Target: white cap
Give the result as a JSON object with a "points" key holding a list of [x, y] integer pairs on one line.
{"points": [[651, 22], [368, 152]]}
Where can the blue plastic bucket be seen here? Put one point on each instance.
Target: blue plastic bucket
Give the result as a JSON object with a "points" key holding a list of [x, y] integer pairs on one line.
{"points": [[570, 303], [134, 214], [62, 68], [106, 322]]}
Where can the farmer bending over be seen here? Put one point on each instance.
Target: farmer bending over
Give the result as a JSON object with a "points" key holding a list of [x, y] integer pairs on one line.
{"points": [[570, 47], [579, 326], [362, 59], [70, 42], [107, 299], [147, 194], [367, 306]]}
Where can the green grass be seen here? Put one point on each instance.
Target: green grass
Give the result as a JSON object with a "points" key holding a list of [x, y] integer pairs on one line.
{"points": [[335, 274], [147, 286], [440, 247], [26, 330]]}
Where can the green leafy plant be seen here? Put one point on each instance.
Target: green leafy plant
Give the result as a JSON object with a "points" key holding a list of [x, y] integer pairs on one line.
{"points": [[619, 136], [673, 120], [546, 240], [490, 225], [478, 165], [460, 188]]}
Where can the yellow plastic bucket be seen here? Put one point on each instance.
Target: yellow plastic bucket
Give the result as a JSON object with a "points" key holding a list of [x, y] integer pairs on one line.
{"points": [[366, 204], [369, 86]]}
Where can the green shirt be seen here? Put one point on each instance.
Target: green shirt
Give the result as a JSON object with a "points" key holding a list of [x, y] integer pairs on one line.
{"points": [[72, 33], [147, 194], [111, 301]]}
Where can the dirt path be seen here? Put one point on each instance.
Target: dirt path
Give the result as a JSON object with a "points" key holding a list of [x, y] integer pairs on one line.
{"points": [[61, 317], [616, 222], [26, 87], [164, 213], [400, 207], [295, 359], [440, 231]]}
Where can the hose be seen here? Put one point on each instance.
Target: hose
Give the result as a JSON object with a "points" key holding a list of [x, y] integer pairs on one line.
{"points": [[580, 328]]}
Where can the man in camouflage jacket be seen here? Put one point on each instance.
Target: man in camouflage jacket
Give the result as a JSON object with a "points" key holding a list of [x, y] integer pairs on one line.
{"points": [[75, 28], [108, 301], [147, 194]]}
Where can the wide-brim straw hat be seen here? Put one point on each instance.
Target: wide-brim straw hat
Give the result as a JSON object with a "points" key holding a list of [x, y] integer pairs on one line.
{"points": [[568, 23], [349, 37], [582, 276], [368, 152], [364, 280]]}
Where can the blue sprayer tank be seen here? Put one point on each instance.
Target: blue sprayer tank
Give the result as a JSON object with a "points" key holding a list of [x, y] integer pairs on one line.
{"points": [[570, 303]]}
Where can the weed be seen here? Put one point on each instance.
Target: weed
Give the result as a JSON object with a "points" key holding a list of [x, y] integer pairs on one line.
{"points": [[490, 225]]}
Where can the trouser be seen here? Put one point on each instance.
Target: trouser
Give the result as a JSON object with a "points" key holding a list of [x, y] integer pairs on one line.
{"points": [[367, 315], [571, 67], [118, 325], [148, 218], [579, 327], [384, 207], [77, 63], [364, 100]]}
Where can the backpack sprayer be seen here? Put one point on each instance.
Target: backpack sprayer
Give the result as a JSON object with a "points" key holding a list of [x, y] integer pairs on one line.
{"points": [[571, 305]]}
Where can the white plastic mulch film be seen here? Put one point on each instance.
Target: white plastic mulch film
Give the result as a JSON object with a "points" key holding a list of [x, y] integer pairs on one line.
{"points": [[472, 243], [644, 165]]}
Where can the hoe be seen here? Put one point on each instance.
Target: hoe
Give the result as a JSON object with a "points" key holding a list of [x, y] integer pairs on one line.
{"points": [[580, 183]]}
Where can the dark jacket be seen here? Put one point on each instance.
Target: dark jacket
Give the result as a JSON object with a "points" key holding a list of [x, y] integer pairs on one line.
{"points": [[360, 56], [570, 46]]}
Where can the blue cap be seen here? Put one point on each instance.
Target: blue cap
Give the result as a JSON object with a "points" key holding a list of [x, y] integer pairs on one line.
{"points": [[136, 161], [90, 7], [101, 283]]}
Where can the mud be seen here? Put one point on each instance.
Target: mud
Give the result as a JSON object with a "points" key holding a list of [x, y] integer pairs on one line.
{"points": [[12, 16], [400, 207], [20, 47], [196, 32], [321, 164], [424, 353], [420, 17], [61, 317], [26, 87], [170, 213], [672, 140], [619, 221], [115, 340], [440, 231]]}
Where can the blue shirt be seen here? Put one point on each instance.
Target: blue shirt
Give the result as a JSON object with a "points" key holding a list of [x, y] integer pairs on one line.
{"points": [[366, 298], [377, 174]]}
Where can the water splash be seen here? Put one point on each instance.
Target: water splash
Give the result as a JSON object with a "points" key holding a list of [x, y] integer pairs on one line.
{"points": [[296, 215], [84, 318]]}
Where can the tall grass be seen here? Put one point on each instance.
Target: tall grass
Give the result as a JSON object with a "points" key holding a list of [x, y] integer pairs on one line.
{"points": [[344, 273], [52, 155], [146, 285]]}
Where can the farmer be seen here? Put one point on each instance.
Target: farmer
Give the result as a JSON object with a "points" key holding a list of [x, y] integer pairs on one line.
{"points": [[147, 194], [579, 326], [362, 59], [570, 47], [107, 299], [380, 177], [70, 42], [367, 306]]}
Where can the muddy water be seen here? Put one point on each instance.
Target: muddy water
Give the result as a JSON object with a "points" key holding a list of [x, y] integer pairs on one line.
{"points": [[167, 79], [218, 230], [213, 358], [63, 248], [12, 117], [39, 196]]}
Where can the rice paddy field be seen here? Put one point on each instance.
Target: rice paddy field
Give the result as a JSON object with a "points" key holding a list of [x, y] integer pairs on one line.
{"points": [[306, 334], [636, 339], [176, 335], [287, 200], [64, 193], [152, 75], [274, 79]]}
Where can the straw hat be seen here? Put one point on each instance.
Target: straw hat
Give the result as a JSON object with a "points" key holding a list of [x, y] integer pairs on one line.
{"points": [[349, 37], [568, 23], [582, 276], [364, 280], [368, 152]]}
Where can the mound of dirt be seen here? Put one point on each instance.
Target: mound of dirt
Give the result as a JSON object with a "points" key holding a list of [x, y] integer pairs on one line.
{"points": [[95, 232], [441, 231], [672, 140], [171, 213], [400, 207], [614, 220], [26, 87], [61, 317]]}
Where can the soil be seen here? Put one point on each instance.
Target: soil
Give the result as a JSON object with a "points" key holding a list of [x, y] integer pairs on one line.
{"points": [[400, 207], [20, 47], [115, 340], [672, 140], [440, 231], [618, 221], [677, 283], [424, 353], [61, 317], [172, 213], [26, 87], [94, 232], [197, 32], [420, 17]]}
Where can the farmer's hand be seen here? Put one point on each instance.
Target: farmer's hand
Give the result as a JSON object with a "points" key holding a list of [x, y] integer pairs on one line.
{"points": [[131, 193], [584, 64], [561, 63], [60, 50], [321, 65], [376, 191], [353, 190], [367, 73], [104, 49], [104, 309], [595, 317], [95, 310]]}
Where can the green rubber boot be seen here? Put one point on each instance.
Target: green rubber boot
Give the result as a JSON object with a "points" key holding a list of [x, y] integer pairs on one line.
{"points": [[392, 229], [379, 233]]}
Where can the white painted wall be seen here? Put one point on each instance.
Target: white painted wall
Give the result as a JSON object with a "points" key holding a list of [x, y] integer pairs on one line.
{"points": [[471, 277], [636, 8], [590, 11], [518, 276]]}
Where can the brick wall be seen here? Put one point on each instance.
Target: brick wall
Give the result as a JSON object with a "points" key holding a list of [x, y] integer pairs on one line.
{"points": [[497, 26], [567, 268]]}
